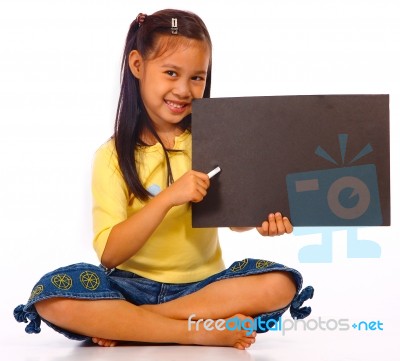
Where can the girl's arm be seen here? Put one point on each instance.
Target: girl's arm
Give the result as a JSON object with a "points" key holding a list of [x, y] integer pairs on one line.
{"points": [[276, 225], [128, 236]]}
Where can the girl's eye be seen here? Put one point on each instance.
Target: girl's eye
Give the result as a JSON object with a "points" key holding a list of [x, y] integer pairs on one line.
{"points": [[171, 73], [198, 78]]}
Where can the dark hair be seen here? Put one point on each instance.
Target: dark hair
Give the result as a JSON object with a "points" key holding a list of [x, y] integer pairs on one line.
{"points": [[131, 116]]}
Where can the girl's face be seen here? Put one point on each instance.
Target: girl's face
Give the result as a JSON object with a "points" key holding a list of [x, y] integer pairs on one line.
{"points": [[169, 82]]}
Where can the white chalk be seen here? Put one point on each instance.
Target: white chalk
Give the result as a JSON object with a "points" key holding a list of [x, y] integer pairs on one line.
{"points": [[214, 172]]}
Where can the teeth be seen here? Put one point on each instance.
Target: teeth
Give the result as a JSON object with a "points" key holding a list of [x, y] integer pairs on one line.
{"points": [[174, 105]]}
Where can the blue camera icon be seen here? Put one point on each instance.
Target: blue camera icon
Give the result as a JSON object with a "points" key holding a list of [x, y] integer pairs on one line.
{"points": [[344, 196]]}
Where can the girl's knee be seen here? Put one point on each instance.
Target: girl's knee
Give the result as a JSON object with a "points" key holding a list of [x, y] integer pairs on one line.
{"points": [[281, 289], [53, 308]]}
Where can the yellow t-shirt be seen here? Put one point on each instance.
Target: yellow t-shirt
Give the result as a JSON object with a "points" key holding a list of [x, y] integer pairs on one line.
{"points": [[176, 252]]}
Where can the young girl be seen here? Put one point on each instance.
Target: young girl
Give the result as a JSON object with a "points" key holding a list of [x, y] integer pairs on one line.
{"points": [[161, 280]]}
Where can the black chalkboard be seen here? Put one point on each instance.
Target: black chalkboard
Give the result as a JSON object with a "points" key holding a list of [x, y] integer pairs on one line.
{"points": [[322, 160]]}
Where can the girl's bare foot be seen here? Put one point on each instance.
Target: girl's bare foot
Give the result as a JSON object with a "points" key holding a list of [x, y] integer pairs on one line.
{"points": [[236, 332]]}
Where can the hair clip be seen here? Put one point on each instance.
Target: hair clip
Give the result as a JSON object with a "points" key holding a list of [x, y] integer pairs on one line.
{"points": [[174, 26], [141, 18]]}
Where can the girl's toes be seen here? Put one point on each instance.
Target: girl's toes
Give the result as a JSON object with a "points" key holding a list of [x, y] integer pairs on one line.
{"points": [[239, 346], [103, 342]]}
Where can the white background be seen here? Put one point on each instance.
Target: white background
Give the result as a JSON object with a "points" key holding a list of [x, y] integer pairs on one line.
{"points": [[59, 85]]}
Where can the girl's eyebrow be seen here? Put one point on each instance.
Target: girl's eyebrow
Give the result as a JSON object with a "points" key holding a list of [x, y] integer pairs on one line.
{"points": [[178, 68]]}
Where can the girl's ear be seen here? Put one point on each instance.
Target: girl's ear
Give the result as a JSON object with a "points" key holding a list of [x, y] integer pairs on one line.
{"points": [[136, 63]]}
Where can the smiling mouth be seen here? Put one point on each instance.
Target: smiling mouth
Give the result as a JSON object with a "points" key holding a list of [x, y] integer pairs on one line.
{"points": [[176, 107]]}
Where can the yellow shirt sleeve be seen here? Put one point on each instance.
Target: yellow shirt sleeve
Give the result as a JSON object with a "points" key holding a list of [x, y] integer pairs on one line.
{"points": [[110, 195]]}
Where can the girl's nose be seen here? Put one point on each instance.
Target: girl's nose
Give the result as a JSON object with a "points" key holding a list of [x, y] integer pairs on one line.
{"points": [[182, 89]]}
